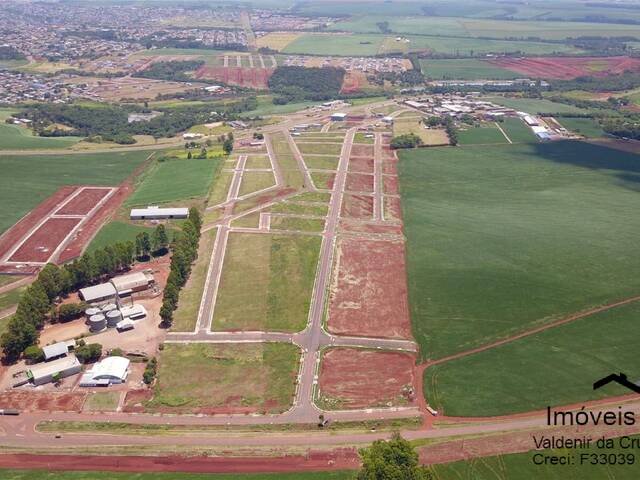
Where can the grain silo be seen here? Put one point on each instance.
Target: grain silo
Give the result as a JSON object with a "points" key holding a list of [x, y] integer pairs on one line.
{"points": [[113, 318], [90, 312], [109, 307], [97, 323]]}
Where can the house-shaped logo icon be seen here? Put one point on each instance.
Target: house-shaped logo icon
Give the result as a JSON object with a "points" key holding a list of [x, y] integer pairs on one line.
{"points": [[621, 379]]}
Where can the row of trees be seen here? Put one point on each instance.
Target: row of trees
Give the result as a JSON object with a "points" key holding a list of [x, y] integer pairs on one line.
{"points": [[408, 140], [448, 124], [184, 253], [156, 244], [36, 304]]}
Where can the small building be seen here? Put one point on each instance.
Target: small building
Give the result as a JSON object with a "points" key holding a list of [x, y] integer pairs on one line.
{"points": [[125, 325], [50, 371], [102, 293], [134, 312], [157, 213], [192, 136], [56, 350], [132, 282], [387, 119], [338, 117], [110, 371]]}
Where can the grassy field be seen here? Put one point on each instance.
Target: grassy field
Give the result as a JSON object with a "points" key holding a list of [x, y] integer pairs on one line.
{"points": [[464, 69], [266, 282], [102, 401], [584, 126], [479, 46], [320, 148], [322, 180], [508, 237], [324, 44], [27, 180], [277, 40], [244, 375], [321, 162], [517, 131], [297, 223], [525, 375], [186, 315], [13, 137], [258, 161], [89, 475], [173, 180], [116, 231], [536, 105], [431, 136], [254, 181], [287, 207], [487, 133]]}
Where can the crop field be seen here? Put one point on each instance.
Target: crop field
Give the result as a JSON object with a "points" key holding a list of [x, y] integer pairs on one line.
{"points": [[103, 475], [485, 134], [536, 106], [525, 375], [29, 179], [517, 131], [266, 282], [13, 137], [464, 69], [116, 231], [583, 126], [173, 180], [509, 237], [340, 45], [566, 68], [248, 378], [276, 40]]}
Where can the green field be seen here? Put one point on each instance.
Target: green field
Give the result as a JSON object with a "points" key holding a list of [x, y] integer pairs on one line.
{"points": [[116, 231], [27, 180], [255, 181], [102, 402], [504, 238], [320, 148], [13, 137], [549, 368], [266, 282], [245, 375], [464, 69], [323, 44], [485, 134], [173, 180], [517, 131], [88, 475], [584, 126], [476, 46], [536, 106]]}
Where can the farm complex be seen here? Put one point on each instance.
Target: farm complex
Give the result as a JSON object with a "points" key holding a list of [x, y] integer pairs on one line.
{"points": [[309, 239]]}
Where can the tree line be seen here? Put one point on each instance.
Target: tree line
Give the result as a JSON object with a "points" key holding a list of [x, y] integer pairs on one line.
{"points": [[184, 253], [37, 304]]}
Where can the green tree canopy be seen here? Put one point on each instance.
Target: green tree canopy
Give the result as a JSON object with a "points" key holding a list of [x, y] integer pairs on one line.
{"points": [[395, 459]]}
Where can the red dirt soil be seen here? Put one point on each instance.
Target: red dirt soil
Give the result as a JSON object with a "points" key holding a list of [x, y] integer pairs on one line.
{"points": [[358, 150], [85, 234], [338, 459], [392, 208], [361, 378], [567, 68], [84, 202], [357, 206], [245, 77], [361, 164], [390, 185], [33, 401], [369, 291], [359, 182], [347, 225], [20, 229], [43, 242], [352, 82]]}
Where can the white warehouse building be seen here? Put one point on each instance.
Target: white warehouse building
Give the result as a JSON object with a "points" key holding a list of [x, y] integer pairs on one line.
{"points": [[157, 213], [110, 371]]}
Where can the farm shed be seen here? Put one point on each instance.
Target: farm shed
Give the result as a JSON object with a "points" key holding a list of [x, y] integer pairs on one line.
{"points": [[46, 372], [111, 370], [102, 293], [338, 117], [157, 213], [132, 282], [55, 350], [134, 312]]}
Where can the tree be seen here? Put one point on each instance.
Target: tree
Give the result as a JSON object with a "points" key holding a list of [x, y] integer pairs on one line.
{"points": [[34, 354], [189, 155], [227, 146], [196, 218], [143, 245], [166, 314], [89, 353], [409, 140], [160, 240], [50, 278], [19, 335], [395, 459]]}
